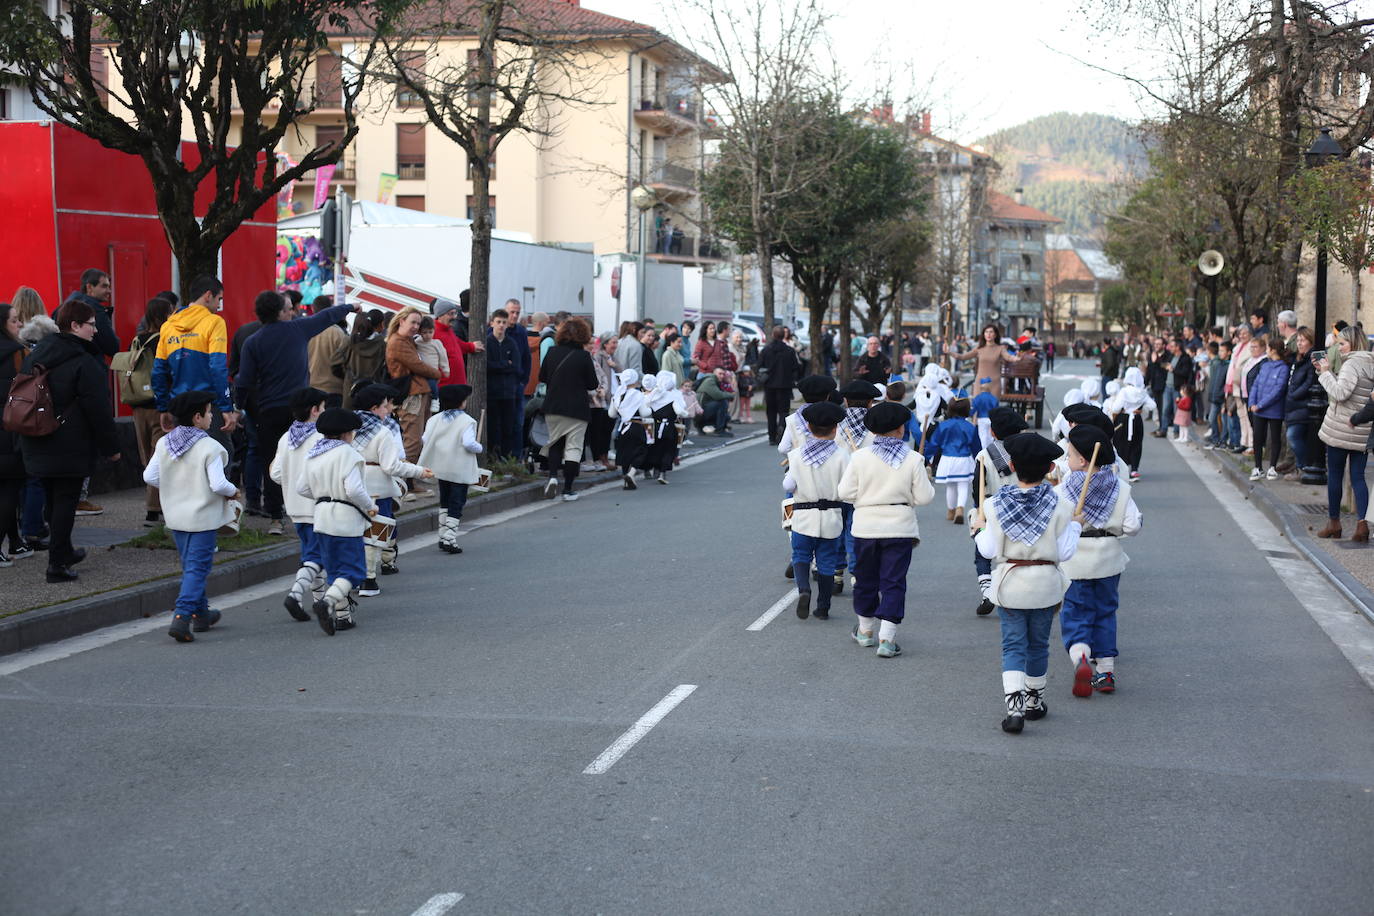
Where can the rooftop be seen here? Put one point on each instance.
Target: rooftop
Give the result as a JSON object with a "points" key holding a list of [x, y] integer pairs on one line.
{"points": [[1002, 207]]}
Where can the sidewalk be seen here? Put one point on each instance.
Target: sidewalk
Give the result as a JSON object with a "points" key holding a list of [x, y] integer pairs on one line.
{"points": [[1299, 512], [120, 580]]}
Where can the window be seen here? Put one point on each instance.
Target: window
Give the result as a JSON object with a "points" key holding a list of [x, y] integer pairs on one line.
{"points": [[412, 63], [491, 206], [410, 151], [4, 104], [411, 201], [328, 136], [1027, 233], [1336, 84], [328, 81], [491, 168]]}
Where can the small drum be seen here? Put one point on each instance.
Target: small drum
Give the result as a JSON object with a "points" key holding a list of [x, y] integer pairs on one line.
{"points": [[234, 509], [380, 531], [681, 432], [483, 483], [787, 514]]}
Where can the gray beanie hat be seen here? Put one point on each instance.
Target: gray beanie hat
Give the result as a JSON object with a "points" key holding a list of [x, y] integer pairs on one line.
{"points": [[443, 307]]}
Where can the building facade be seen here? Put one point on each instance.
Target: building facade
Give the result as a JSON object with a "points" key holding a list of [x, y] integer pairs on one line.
{"points": [[1076, 272], [1012, 236]]}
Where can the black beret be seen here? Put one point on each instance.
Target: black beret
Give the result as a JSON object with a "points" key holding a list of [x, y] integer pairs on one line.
{"points": [[823, 413], [816, 387], [860, 391], [1031, 449], [1080, 414], [306, 397], [451, 397], [835, 398], [886, 416], [1006, 422], [1083, 438], [189, 403], [372, 395], [336, 421]]}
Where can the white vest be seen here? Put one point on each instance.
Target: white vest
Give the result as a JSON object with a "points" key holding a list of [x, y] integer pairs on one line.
{"points": [[885, 498], [1029, 586], [813, 485], [1098, 558], [188, 503], [286, 470], [992, 481], [325, 474], [385, 466], [443, 451]]}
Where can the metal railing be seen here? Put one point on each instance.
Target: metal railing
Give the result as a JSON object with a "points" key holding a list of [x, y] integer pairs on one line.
{"points": [[673, 174], [407, 171]]}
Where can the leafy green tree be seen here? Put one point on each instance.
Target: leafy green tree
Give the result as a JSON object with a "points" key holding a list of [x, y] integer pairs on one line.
{"points": [[1333, 206]]}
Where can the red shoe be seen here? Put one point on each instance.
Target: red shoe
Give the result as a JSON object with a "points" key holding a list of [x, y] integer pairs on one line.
{"points": [[1104, 682], [1083, 679]]}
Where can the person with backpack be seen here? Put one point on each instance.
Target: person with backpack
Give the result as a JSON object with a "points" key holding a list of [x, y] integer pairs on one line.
{"points": [[12, 477], [134, 378], [60, 403]]}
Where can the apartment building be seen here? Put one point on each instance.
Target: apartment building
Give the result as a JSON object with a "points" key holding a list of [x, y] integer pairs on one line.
{"points": [[639, 121], [1077, 270], [1013, 235]]}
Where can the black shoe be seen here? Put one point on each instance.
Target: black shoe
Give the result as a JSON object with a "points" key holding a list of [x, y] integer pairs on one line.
{"points": [[152, 519], [821, 613], [38, 543], [181, 629], [78, 555], [293, 607], [1036, 708], [838, 587], [803, 605], [1016, 713], [790, 572], [61, 574], [254, 509], [985, 607], [825, 587], [450, 548], [369, 588], [390, 569], [325, 616], [348, 624], [205, 620]]}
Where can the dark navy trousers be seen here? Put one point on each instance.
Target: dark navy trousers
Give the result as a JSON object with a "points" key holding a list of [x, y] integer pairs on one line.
{"points": [[880, 567]]}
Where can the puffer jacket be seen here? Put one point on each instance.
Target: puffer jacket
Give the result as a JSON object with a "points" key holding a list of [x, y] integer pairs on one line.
{"points": [[1347, 393], [1269, 389], [80, 390], [1300, 383]]}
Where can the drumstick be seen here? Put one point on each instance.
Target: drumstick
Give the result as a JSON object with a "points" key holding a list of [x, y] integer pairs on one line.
{"points": [[481, 423], [982, 485], [1082, 497]]}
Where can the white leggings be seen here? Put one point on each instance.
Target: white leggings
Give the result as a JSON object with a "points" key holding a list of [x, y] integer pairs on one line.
{"points": [[956, 494]]}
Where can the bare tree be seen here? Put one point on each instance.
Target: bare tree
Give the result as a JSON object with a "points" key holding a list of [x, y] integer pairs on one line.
{"points": [[237, 78]]}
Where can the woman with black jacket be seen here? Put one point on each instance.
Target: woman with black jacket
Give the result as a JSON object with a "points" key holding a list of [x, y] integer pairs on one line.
{"points": [[570, 382], [780, 367], [1296, 418], [77, 381], [12, 353]]}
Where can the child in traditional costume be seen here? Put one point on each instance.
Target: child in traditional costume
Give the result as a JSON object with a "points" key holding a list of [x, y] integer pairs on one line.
{"points": [[306, 406], [450, 448], [813, 481], [629, 408], [378, 440], [994, 473], [951, 448]]}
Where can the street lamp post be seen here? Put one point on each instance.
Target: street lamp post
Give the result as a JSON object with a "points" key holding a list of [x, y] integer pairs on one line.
{"points": [[1323, 151], [643, 200]]}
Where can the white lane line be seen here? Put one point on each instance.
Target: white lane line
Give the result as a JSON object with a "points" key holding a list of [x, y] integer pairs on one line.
{"points": [[1342, 623], [767, 616], [66, 648], [635, 732], [438, 905]]}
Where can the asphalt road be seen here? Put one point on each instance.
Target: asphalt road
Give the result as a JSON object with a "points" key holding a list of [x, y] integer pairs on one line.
{"points": [[440, 747]]}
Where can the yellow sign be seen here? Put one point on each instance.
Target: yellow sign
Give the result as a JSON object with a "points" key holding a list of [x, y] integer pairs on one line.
{"points": [[385, 186]]}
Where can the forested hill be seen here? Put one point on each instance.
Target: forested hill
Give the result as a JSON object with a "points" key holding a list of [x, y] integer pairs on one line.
{"points": [[1062, 161]]}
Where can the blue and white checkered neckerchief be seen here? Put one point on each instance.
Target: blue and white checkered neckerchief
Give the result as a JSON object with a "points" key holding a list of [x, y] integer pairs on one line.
{"points": [[182, 439], [298, 433], [1102, 491], [324, 445], [817, 452], [997, 454], [451, 415], [853, 423], [372, 425], [890, 449], [1025, 514], [801, 424]]}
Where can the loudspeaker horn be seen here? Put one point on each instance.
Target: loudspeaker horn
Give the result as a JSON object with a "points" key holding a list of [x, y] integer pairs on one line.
{"points": [[1210, 263]]}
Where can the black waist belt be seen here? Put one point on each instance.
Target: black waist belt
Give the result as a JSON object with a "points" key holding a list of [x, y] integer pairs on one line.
{"points": [[343, 502], [1096, 533], [819, 504]]}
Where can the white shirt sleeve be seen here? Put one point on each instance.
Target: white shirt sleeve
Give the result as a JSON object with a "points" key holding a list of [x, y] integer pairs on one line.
{"points": [[785, 445], [215, 471], [153, 470], [1068, 541], [470, 440], [357, 493], [1130, 525], [987, 541], [789, 484], [303, 486], [392, 461]]}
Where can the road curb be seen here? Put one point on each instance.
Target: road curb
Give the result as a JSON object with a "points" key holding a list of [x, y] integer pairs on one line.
{"points": [[82, 615], [1290, 525]]}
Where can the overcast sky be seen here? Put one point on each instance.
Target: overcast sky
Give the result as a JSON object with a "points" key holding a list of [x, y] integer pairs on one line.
{"points": [[990, 65]]}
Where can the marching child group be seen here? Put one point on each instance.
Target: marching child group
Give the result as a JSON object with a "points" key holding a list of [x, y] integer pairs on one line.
{"points": [[1047, 524]]}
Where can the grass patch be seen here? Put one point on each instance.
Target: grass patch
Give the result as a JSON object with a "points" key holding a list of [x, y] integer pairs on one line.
{"points": [[159, 538], [510, 467]]}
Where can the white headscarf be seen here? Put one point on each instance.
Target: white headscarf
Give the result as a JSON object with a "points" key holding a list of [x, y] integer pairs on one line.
{"points": [[926, 403], [666, 393], [1074, 396], [1134, 377], [1113, 387], [628, 399], [1092, 389]]}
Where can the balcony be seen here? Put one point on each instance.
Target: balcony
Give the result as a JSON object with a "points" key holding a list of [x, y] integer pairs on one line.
{"points": [[346, 173], [672, 182], [410, 171], [669, 116], [685, 249]]}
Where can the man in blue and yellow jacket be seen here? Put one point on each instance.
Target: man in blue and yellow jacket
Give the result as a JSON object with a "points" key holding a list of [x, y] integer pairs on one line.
{"points": [[192, 352]]}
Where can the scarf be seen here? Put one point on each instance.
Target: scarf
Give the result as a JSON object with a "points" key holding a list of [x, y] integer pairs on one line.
{"points": [[1025, 514], [324, 445], [372, 425], [817, 451], [853, 424], [298, 433], [182, 439], [1103, 488], [997, 454], [451, 415], [801, 424], [891, 450]]}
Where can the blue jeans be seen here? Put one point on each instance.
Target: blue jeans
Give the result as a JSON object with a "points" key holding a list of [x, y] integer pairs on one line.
{"points": [[1166, 415], [825, 550], [310, 546], [197, 550], [452, 498], [981, 564], [1297, 441], [343, 558], [1089, 614], [1336, 459], [847, 560], [1233, 430], [1026, 639], [1214, 422]]}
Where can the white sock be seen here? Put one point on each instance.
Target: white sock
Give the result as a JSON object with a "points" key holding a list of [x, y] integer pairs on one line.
{"points": [[1106, 665], [866, 625], [1037, 683], [1013, 681], [985, 584], [952, 496], [887, 631], [963, 486], [1079, 650]]}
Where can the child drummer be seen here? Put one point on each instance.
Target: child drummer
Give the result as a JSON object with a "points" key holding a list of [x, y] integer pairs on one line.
{"points": [[813, 480]]}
